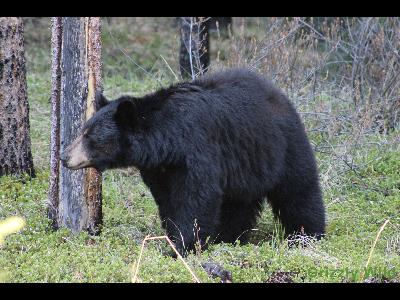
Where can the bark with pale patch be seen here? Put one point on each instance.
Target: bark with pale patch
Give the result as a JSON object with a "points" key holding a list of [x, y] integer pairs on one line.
{"points": [[75, 196], [15, 143]]}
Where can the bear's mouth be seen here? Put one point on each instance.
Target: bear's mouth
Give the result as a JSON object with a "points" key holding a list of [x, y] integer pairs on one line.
{"points": [[81, 165]]}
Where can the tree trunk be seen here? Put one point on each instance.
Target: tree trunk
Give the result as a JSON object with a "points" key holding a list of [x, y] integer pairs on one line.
{"points": [[56, 42], [194, 56], [15, 143], [74, 196]]}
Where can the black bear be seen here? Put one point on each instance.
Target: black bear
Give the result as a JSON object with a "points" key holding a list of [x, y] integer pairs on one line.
{"points": [[210, 151]]}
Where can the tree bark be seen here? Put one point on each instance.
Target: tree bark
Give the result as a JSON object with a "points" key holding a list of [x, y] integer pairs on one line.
{"points": [[75, 196], [56, 42], [194, 55], [15, 143]]}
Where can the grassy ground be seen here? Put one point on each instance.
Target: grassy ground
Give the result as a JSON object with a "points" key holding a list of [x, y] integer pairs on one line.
{"points": [[360, 194]]}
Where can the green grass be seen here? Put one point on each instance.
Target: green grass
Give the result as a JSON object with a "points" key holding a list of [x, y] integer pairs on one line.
{"points": [[358, 202]]}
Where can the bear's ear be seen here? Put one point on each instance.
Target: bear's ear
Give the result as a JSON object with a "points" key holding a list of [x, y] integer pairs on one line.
{"points": [[100, 100], [126, 114]]}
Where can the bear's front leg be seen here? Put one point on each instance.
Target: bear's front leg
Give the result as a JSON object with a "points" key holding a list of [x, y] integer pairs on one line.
{"points": [[192, 218]]}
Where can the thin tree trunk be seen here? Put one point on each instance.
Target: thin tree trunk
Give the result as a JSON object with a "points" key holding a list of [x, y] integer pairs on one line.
{"points": [[15, 143], [75, 202], [56, 42], [194, 55]]}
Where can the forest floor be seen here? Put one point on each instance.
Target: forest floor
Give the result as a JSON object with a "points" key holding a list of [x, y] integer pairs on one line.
{"points": [[360, 194]]}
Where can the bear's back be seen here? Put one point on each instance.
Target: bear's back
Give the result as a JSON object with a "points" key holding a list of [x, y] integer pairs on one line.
{"points": [[244, 88], [228, 92]]}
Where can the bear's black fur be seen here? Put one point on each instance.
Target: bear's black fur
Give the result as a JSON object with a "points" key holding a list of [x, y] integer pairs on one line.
{"points": [[211, 151]]}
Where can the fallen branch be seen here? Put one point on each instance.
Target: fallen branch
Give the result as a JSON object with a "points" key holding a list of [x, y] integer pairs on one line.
{"points": [[373, 248], [150, 238]]}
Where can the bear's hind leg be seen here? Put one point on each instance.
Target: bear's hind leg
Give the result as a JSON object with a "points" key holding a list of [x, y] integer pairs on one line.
{"points": [[301, 211]]}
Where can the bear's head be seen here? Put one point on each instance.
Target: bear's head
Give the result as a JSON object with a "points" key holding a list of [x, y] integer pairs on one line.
{"points": [[102, 142]]}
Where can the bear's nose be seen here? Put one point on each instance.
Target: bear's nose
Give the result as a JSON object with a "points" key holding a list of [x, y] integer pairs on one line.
{"points": [[64, 159]]}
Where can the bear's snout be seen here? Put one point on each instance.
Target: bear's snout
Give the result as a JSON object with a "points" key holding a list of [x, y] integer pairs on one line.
{"points": [[74, 156]]}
